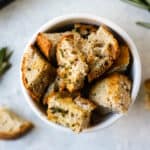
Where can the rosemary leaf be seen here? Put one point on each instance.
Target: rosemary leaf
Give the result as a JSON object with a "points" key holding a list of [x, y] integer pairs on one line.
{"points": [[4, 60], [138, 3], [144, 24], [4, 67], [8, 55], [148, 2], [2, 54]]}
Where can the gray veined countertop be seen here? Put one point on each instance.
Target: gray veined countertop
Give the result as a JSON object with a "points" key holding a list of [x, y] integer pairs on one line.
{"points": [[18, 22]]}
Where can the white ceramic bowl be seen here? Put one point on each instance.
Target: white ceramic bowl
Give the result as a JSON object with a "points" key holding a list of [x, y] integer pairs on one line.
{"points": [[85, 18]]}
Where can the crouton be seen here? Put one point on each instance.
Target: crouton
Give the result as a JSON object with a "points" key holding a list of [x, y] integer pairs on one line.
{"points": [[101, 50], [121, 64], [37, 73], [72, 63], [113, 92], [74, 114], [47, 43]]}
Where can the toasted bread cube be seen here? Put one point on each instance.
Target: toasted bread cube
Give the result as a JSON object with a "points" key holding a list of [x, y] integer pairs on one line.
{"points": [[74, 114], [121, 64], [113, 92], [72, 63], [102, 49], [47, 43], [37, 73]]}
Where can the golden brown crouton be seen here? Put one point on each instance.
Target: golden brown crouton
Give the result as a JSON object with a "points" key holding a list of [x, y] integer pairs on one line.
{"points": [[113, 92], [74, 114], [47, 43], [101, 50], [123, 60], [72, 63], [37, 73]]}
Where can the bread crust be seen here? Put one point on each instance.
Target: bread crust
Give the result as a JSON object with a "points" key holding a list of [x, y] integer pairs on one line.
{"points": [[26, 127], [45, 45], [45, 76], [122, 63]]}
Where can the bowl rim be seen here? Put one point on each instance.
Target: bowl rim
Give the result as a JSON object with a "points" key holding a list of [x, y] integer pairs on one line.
{"points": [[92, 19]]}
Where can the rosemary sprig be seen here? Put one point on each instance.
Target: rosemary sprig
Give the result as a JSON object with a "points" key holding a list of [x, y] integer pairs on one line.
{"points": [[143, 24], [4, 60], [138, 3]]}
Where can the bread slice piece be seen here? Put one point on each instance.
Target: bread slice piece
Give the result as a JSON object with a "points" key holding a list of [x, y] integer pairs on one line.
{"points": [[84, 29], [113, 92], [69, 112], [101, 50], [37, 73], [47, 43], [121, 64], [11, 125], [72, 63]]}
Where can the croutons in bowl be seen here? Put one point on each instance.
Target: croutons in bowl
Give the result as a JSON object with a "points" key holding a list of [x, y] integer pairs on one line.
{"points": [[81, 72]]}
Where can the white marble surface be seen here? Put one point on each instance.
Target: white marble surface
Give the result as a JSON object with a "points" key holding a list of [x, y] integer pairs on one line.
{"points": [[18, 22]]}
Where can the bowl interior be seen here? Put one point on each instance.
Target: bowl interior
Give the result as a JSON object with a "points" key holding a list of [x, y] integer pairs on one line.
{"points": [[65, 22]]}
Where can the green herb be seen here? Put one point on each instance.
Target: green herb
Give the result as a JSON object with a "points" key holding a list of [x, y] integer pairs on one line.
{"points": [[144, 4], [4, 60], [143, 24], [62, 53], [138, 3], [59, 110]]}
